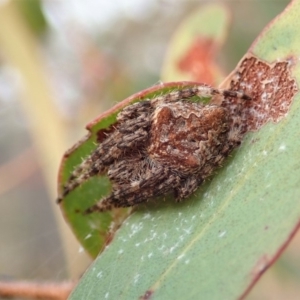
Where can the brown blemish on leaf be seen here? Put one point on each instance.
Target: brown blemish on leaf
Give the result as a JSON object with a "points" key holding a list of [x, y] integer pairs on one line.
{"points": [[271, 87], [199, 61], [147, 295]]}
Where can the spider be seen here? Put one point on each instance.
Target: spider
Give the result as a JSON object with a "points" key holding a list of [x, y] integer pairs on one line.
{"points": [[166, 144]]}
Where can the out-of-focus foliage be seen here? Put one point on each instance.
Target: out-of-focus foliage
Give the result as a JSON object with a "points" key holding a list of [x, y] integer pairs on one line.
{"points": [[32, 11]]}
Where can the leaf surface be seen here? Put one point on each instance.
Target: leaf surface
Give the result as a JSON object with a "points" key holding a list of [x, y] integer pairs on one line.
{"points": [[216, 244]]}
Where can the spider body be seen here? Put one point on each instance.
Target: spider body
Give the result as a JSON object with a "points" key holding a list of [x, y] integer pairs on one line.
{"points": [[166, 144]]}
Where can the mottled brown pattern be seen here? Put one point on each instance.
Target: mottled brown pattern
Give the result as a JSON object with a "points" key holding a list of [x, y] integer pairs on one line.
{"points": [[183, 132], [148, 294], [166, 144], [199, 60], [271, 87]]}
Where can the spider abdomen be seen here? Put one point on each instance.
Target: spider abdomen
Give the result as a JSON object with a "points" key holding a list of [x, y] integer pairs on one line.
{"points": [[186, 135]]}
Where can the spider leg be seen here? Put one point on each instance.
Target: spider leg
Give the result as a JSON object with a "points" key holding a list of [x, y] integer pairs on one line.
{"points": [[134, 111], [97, 164], [202, 91], [155, 184], [132, 133], [187, 188], [129, 170]]}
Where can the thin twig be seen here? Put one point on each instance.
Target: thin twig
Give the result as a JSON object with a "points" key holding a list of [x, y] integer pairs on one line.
{"points": [[33, 290]]}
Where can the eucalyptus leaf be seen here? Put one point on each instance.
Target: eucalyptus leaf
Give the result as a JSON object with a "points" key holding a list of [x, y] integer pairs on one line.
{"points": [[216, 244]]}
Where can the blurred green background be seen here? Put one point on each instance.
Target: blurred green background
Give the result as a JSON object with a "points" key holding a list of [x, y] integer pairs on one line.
{"points": [[61, 64]]}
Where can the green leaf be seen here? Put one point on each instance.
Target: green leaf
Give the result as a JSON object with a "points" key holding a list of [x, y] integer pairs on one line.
{"points": [[33, 14], [195, 44], [216, 244], [95, 230]]}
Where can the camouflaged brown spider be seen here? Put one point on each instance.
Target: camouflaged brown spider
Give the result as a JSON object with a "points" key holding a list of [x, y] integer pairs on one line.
{"points": [[166, 144]]}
